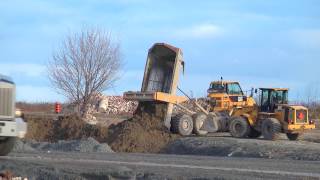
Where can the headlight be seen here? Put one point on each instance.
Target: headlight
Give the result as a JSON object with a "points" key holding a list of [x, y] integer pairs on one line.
{"points": [[18, 113]]}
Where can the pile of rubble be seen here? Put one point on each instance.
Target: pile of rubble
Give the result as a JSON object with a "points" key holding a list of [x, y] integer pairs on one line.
{"points": [[117, 105], [190, 105], [109, 105], [112, 105]]}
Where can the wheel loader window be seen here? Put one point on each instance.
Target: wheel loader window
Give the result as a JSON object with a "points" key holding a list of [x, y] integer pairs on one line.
{"points": [[279, 97], [234, 88]]}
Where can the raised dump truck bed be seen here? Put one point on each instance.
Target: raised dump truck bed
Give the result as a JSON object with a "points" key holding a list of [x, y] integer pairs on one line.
{"points": [[160, 78]]}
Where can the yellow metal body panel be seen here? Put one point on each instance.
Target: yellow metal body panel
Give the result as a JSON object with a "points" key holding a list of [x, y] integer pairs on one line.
{"points": [[224, 103], [165, 97], [299, 127], [154, 96]]}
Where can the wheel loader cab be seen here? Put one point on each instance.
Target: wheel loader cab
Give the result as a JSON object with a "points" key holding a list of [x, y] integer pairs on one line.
{"points": [[271, 97], [272, 117]]}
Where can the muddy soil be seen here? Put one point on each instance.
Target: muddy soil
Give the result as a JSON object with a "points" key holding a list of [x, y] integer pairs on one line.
{"points": [[143, 133], [45, 128]]}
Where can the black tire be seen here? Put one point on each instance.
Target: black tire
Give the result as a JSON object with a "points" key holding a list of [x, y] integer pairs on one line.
{"points": [[293, 136], [239, 127], [254, 133], [271, 129], [198, 120], [6, 145], [182, 124]]}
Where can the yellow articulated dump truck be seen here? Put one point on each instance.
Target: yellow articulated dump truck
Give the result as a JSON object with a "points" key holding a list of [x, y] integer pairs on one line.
{"points": [[160, 85], [9, 130]]}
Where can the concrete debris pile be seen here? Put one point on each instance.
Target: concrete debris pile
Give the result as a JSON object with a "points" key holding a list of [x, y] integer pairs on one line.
{"points": [[112, 105], [190, 105], [117, 105], [84, 145]]}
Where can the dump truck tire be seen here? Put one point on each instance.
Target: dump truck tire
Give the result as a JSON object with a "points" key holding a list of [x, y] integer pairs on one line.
{"points": [[293, 136], [271, 129], [254, 133], [239, 127], [198, 120], [6, 145], [182, 124]]}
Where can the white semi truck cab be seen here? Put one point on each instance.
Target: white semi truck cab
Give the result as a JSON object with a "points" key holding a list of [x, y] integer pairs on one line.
{"points": [[8, 124]]}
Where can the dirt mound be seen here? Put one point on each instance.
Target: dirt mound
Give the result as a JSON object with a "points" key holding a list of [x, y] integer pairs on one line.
{"points": [[45, 128], [144, 133]]}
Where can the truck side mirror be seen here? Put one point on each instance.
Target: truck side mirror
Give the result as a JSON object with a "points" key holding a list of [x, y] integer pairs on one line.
{"points": [[256, 91]]}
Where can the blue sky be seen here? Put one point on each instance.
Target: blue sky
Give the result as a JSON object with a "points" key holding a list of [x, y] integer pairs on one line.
{"points": [[257, 42]]}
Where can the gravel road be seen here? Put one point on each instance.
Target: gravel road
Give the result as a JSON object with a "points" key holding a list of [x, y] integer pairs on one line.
{"points": [[222, 144], [153, 166]]}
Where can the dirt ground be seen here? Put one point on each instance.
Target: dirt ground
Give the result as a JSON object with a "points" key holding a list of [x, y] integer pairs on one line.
{"points": [[222, 144], [144, 132], [45, 128]]}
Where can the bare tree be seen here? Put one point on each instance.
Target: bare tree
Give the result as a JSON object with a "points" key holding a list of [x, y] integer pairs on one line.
{"points": [[87, 63]]}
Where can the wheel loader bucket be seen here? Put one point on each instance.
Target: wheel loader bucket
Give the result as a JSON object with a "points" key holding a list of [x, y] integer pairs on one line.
{"points": [[161, 74]]}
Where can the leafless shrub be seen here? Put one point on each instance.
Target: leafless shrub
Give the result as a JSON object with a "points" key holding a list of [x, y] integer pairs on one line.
{"points": [[87, 63]]}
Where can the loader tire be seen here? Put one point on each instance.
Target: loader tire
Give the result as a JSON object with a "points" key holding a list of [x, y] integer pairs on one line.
{"points": [[293, 136], [6, 145], [271, 129], [182, 124], [198, 120], [254, 133], [239, 127]]}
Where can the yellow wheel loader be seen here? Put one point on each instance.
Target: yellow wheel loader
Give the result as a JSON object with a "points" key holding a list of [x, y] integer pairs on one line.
{"points": [[271, 117]]}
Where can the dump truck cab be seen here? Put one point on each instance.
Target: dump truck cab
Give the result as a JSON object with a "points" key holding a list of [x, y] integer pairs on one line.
{"points": [[225, 95]]}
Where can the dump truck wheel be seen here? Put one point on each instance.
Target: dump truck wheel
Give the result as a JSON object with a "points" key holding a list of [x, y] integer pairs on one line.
{"points": [[6, 145], [271, 129], [254, 133], [239, 127], [182, 124], [198, 121], [293, 136]]}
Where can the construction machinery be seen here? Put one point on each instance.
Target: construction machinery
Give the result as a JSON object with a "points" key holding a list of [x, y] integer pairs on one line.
{"points": [[160, 80], [270, 117], [160, 84], [8, 125], [226, 95], [227, 107]]}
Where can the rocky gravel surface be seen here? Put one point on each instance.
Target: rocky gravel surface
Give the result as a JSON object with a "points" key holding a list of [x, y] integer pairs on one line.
{"points": [[114, 166], [221, 144], [84, 145]]}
